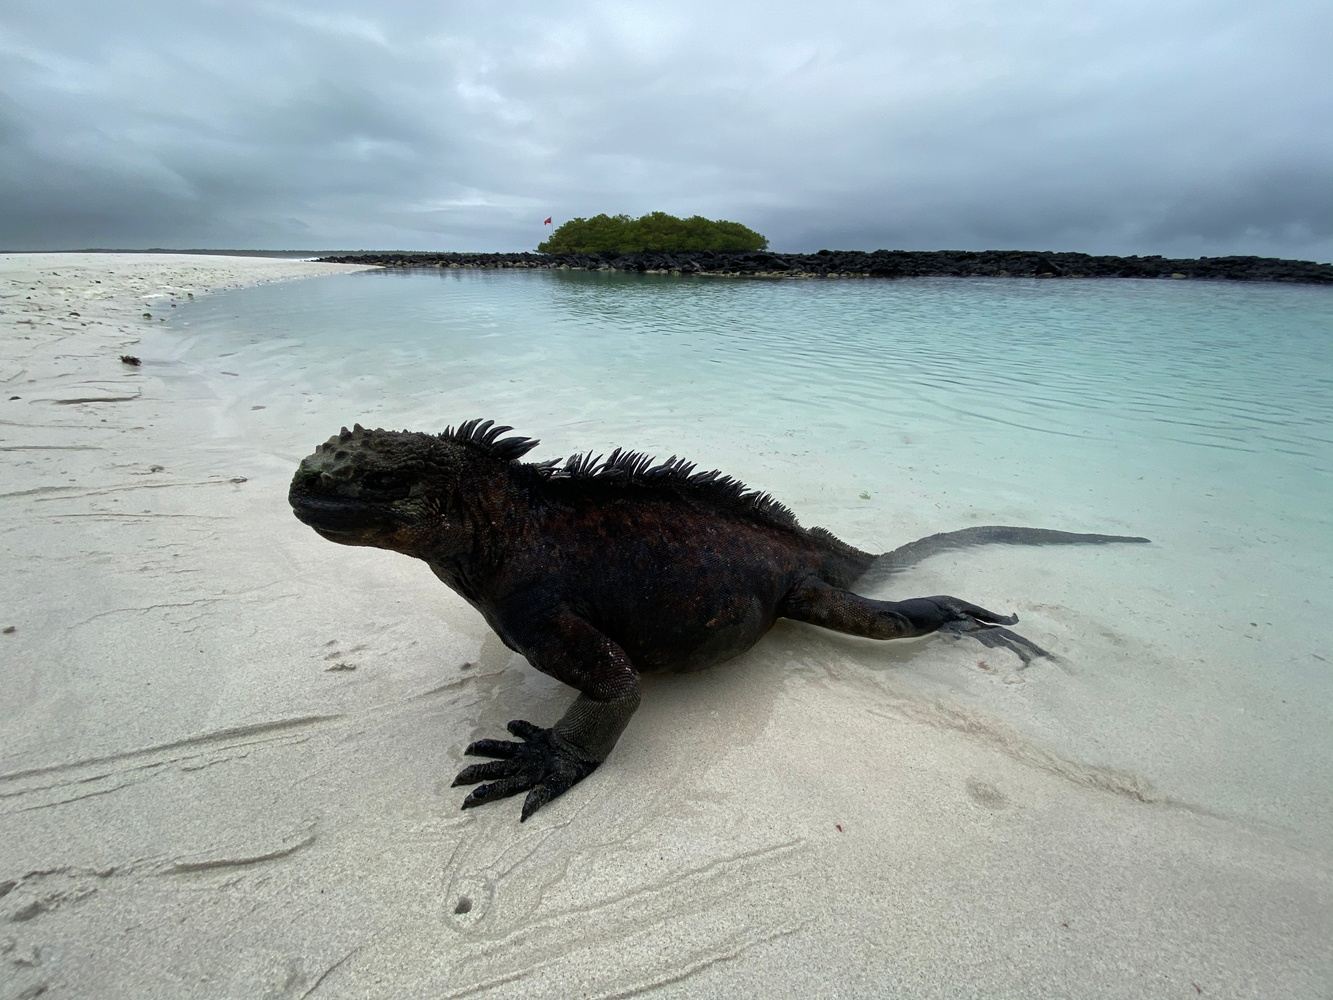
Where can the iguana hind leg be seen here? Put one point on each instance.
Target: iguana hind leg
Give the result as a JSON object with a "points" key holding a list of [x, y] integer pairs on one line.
{"points": [[818, 603]]}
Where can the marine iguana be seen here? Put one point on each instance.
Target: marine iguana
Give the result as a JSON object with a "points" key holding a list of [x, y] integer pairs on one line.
{"points": [[599, 569]]}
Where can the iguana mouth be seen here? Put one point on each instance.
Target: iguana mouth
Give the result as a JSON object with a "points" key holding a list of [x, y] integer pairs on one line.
{"points": [[336, 515]]}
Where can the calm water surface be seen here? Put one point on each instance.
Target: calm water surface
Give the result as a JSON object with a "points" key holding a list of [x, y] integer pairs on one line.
{"points": [[1227, 378]]}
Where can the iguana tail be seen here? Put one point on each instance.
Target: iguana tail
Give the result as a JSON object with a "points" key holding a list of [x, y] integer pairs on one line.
{"points": [[882, 567]]}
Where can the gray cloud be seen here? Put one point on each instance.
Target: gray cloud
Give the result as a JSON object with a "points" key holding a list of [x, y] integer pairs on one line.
{"points": [[1195, 127]]}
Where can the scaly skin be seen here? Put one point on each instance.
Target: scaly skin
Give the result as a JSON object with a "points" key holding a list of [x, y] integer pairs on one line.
{"points": [[599, 571]]}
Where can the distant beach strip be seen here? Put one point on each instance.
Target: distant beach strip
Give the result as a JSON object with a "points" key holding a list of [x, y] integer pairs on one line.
{"points": [[874, 264]]}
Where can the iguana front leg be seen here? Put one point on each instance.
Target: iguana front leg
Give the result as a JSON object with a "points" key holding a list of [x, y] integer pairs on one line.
{"points": [[819, 603], [548, 762]]}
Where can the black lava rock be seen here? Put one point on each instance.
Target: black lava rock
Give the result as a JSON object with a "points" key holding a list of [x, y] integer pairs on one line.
{"points": [[876, 264]]}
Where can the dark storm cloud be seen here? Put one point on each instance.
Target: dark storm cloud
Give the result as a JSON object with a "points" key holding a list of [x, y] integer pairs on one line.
{"points": [[1183, 128]]}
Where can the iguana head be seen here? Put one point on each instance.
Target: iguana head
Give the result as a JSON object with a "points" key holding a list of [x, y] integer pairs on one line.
{"points": [[415, 493], [376, 487]]}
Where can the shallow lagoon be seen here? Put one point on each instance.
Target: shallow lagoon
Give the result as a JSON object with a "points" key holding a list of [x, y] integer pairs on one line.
{"points": [[1200, 415]]}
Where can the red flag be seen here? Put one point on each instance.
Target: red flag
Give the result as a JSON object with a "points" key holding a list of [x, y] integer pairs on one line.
{"points": [[547, 222]]}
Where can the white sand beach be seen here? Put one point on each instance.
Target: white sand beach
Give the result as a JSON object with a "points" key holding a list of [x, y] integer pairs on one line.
{"points": [[227, 747]]}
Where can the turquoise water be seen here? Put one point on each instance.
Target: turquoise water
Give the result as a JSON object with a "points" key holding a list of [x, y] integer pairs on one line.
{"points": [[1013, 390], [1200, 415], [1241, 368]]}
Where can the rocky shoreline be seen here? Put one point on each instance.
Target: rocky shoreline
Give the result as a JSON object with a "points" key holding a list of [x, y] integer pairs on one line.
{"points": [[874, 264]]}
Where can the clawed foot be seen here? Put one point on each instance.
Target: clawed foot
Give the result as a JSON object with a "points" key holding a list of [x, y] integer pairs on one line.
{"points": [[964, 619], [545, 765]]}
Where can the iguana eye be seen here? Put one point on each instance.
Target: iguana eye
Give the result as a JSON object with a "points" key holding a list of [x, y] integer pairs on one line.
{"points": [[386, 482]]}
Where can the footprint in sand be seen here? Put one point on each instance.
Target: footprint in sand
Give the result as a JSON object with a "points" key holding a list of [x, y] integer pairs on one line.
{"points": [[983, 793], [471, 896], [340, 660]]}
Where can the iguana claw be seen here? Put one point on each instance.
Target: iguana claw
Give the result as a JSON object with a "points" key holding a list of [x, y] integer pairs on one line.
{"points": [[986, 627], [544, 764]]}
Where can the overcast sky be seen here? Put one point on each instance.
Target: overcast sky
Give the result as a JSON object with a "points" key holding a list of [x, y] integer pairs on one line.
{"points": [[1168, 126]]}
